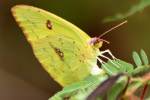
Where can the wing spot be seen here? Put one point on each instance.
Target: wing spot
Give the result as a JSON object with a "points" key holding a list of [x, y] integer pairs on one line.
{"points": [[83, 55], [60, 40], [62, 43], [49, 24], [82, 61], [74, 42], [60, 53], [78, 49], [75, 54]]}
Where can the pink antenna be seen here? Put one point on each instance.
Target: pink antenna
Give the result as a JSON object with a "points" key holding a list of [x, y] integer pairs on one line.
{"points": [[113, 28]]}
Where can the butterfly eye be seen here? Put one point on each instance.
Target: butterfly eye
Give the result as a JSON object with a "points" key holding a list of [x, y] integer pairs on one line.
{"points": [[94, 41], [48, 24]]}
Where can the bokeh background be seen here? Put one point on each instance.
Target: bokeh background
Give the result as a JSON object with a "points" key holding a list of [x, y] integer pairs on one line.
{"points": [[21, 75]]}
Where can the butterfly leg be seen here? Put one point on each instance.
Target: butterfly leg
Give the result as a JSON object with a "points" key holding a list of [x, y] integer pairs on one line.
{"points": [[109, 52], [101, 61], [109, 60], [103, 64], [113, 57]]}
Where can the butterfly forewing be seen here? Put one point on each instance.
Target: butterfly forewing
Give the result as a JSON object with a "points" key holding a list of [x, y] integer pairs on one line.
{"points": [[61, 47]]}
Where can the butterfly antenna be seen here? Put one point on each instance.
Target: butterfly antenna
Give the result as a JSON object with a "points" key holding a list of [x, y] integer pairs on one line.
{"points": [[113, 28]]}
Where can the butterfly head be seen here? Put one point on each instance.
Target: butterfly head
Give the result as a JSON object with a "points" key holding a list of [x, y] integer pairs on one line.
{"points": [[97, 42]]}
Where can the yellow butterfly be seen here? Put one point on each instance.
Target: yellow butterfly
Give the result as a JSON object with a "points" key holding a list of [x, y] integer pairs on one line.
{"points": [[66, 52]]}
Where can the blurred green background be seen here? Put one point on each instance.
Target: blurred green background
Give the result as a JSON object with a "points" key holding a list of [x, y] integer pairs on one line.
{"points": [[21, 75]]}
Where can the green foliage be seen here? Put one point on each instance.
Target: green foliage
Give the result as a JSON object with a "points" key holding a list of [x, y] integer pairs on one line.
{"points": [[80, 90], [111, 88], [117, 66], [137, 59], [144, 57], [134, 9], [117, 89], [140, 69], [110, 84]]}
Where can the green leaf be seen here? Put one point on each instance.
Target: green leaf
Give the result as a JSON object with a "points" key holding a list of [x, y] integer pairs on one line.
{"points": [[118, 88], [144, 57], [137, 59], [127, 66], [109, 68], [140, 70], [81, 89], [134, 9], [107, 88], [114, 67]]}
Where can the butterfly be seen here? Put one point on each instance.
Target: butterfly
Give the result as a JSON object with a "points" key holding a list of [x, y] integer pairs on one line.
{"points": [[66, 52]]}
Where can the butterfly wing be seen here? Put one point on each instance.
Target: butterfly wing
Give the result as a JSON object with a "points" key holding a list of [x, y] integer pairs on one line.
{"points": [[60, 46]]}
